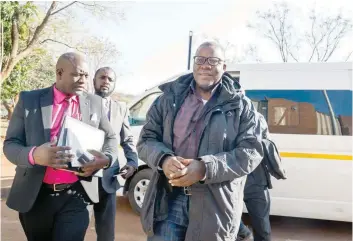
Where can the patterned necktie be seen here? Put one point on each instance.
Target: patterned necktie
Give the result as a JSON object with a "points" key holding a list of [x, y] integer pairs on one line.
{"points": [[66, 105], [106, 107], [68, 110], [72, 110]]}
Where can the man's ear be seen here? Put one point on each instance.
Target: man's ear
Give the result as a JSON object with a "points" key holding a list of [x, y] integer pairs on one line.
{"points": [[224, 67], [59, 71]]}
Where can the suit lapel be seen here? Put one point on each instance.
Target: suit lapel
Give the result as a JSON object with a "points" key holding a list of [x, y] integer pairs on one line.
{"points": [[84, 107], [46, 103]]}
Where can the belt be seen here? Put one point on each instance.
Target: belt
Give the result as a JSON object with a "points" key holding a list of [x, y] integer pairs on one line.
{"points": [[58, 187], [184, 190]]}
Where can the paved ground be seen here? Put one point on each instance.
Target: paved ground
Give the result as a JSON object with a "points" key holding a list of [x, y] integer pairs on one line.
{"points": [[128, 227]]}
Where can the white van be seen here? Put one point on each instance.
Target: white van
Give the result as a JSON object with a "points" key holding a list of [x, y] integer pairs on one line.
{"points": [[308, 107]]}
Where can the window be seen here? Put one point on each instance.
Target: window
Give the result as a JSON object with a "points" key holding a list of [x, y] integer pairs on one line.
{"points": [[139, 110], [305, 111], [341, 104], [279, 113]]}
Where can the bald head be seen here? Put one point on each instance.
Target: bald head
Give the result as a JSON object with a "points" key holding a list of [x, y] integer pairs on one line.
{"points": [[70, 58], [215, 46], [104, 81], [71, 73]]}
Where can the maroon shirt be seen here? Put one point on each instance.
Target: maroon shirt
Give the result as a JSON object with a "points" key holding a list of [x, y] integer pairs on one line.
{"points": [[188, 123]]}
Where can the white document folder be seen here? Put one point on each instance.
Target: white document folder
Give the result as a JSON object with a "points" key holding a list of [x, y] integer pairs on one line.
{"points": [[80, 137]]}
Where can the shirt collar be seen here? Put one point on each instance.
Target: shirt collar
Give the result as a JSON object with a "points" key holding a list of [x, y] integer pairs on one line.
{"points": [[106, 101], [107, 98], [59, 96]]}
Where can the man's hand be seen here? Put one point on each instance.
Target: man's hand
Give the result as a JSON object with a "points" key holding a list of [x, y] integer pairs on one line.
{"points": [[129, 171], [193, 172], [51, 155], [100, 161], [172, 165]]}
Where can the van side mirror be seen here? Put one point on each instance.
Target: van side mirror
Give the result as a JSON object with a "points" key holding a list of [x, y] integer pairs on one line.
{"points": [[136, 121], [131, 121]]}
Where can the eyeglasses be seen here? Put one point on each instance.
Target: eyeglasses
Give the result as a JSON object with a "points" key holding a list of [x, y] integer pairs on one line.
{"points": [[213, 61]]}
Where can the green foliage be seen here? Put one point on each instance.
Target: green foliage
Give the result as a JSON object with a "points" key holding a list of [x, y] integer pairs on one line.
{"points": [[33, 72], [13, 85], [35, 67], [27, 14]]}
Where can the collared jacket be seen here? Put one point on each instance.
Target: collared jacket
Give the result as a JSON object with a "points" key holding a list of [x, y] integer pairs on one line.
{"points": [[230, 147]]}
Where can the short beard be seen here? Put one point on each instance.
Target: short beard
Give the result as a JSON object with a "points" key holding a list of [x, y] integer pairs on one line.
{"points": [[104, 94], [208, 88]]}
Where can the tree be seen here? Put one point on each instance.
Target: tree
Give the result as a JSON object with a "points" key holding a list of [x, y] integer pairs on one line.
{"points": [[33, 72], [15, 21], [22, 37], [101, 51], [322, 37], [21, 77], [26, 32]]}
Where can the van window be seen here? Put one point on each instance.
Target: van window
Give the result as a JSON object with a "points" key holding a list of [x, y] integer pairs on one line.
{"points": [[341, 103], [305, 111], [139, 110]]}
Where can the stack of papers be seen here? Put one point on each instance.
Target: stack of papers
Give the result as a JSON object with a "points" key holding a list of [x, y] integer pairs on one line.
{"points": [[80, 137]]}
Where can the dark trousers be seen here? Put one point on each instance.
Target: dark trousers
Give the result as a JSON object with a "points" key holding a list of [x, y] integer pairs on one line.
{"points": [[174, 227], [57, 216], [104, 214], [257, 201]]}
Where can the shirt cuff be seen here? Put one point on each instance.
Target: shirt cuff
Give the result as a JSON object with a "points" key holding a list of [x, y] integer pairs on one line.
{"points": [[30, 156], [202, 181], [110, 161], [161, 161]]}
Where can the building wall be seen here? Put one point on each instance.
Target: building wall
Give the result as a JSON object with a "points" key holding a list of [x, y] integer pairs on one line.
{"points": [[346, 124], [298, 118]]}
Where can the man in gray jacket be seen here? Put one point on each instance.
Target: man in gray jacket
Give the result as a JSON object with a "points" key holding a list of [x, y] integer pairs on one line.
{"points": [[117, 112], [52, 203], [201, 139]]}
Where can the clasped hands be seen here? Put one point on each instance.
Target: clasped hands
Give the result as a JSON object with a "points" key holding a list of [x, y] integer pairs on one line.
{"points": [[183, 172]]}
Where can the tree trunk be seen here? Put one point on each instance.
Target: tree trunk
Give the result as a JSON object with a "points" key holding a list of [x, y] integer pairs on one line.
{"points": [[4, 75], [16, 56], [9, 107], [12, 63]]}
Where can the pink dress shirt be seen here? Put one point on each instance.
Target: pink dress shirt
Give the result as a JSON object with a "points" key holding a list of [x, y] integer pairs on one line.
{"points": [[54, 176]]}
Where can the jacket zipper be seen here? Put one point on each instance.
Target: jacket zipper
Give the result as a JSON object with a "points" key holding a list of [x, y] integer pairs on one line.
{"points": [[204, 127]]}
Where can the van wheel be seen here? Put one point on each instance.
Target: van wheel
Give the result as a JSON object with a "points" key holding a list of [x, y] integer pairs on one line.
{"points": [[138, 187]]}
